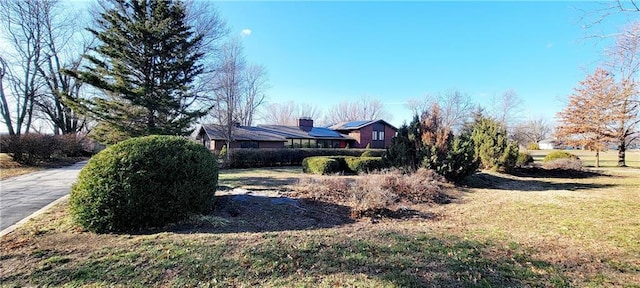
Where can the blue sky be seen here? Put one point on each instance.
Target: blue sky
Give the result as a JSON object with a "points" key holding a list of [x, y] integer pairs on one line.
{"points": [[325, 52]]}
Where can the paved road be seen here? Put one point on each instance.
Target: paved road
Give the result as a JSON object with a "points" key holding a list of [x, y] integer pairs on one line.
{"points": [[21, 196]]}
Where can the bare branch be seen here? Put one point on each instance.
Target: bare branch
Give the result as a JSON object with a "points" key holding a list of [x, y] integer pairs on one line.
{"points": [[365, 108]]}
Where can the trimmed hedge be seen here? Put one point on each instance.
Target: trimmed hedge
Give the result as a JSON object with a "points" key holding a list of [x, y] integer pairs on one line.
{"points": [[320, 165], [252, 158], [144, 182], [555, 155], [359, 165], [341, 164]]}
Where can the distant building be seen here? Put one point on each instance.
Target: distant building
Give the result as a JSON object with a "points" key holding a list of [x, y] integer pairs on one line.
{"points": [[357, 134], [549, 144]]}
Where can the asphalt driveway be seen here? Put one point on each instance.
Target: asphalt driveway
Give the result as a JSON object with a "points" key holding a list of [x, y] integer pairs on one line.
{"points": [[23, 195]]}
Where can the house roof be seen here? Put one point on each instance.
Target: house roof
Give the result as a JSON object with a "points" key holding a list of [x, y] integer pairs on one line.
{"points": [[272, 133], [355, 125], [242, 133], [549, 141], [295, 132]]}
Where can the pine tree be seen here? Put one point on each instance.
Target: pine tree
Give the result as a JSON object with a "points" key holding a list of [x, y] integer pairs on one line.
{"points": [[145, 64]]}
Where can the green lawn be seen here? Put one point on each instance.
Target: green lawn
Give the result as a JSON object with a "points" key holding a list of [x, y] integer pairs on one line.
{"points": [[500, 231]]}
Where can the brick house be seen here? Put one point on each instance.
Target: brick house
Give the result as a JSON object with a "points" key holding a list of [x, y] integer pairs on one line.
{"points": [[376, 133], [355, 134]]}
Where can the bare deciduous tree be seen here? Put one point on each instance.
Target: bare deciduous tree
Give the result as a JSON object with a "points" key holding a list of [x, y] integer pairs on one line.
{"points": [[23, 28], [226, 86], [238, 89], [42, 38], [592, 17], [531, 131], [63, 47], [254, 85], [365, 108], [455, 107], [507, 107], [4, 105], [288, 113], [206, 20], [624, 61]]}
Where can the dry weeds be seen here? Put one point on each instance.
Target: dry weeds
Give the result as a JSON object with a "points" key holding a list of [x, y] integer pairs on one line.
{"points": [[375, 193]]}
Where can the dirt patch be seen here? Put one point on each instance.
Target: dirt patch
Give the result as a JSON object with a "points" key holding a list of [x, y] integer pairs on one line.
{"points": [[241, 210], [257, 212]]}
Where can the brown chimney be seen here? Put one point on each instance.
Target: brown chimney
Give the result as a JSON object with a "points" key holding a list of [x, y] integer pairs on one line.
{"points": [[305, 123]]}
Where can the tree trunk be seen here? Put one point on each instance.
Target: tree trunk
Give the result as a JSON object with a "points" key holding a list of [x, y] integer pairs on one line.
{"points": [[622, 148], [597, 158]]}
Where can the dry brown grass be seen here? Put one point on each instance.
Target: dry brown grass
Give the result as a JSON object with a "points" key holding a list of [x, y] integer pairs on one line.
{"points": [[588, 227], [10, 168], [500, 231]]}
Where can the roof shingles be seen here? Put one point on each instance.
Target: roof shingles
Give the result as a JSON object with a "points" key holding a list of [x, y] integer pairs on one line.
{"points": [[273, 133]]}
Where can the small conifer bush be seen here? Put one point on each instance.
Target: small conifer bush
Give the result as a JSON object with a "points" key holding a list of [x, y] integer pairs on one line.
{"points": [[144, 182], [524, 159]]}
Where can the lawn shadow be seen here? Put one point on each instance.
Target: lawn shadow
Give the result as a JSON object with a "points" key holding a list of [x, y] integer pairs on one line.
{"points": [[251, 213], [260, 182], [504, 182], [539, 172]]}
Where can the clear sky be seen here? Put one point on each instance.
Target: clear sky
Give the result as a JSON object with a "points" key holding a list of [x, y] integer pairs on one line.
{"points": [[325, 52]]}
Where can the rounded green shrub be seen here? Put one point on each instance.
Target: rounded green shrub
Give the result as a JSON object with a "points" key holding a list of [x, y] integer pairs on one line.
{"points": [[555, 155], [144, 182], [320, 165], [533, 146], [524, 159]]}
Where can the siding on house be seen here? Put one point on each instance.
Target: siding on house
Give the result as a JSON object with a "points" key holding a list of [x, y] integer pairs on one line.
{"points": [[548, 144], [375, 133]]}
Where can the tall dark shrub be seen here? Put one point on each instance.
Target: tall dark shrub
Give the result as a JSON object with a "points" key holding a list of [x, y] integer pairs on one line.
{"points": [[406, 150], [458, 162]]}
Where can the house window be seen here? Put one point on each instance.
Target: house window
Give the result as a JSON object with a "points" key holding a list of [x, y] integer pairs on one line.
{"points": [[377, 136]]}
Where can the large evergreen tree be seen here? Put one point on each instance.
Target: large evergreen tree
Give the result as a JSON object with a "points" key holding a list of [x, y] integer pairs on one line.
{"points": [[146, 62]]}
